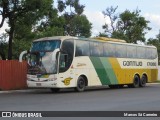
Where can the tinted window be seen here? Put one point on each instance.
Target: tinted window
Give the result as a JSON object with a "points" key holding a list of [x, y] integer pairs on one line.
{"points": [[96, 49], [154, 53], [148, 53], [82, 48], [141, 52], [45, 45], [121, 51], [109, 49], [67, 51], [131, 51]]}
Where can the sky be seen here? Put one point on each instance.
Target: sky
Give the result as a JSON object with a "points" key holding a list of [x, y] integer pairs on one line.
{"points": [[149, 9], [93, 10]]}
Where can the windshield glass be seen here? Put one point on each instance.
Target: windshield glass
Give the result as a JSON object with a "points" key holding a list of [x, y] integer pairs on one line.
{"points": [[41, 59], [50, 45], [42, 63]]}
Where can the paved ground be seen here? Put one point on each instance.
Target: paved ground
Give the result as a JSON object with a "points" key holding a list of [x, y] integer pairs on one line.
{"points": [[100, 99]]}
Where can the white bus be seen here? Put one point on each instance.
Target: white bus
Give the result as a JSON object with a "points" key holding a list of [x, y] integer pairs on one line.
{"points": [[72, 62]]}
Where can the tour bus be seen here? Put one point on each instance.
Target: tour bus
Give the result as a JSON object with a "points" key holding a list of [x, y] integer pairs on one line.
{"points": [[73, 62]]}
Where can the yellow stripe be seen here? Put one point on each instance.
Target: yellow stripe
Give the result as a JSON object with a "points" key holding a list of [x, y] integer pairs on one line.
{"points": [[126, 75]]}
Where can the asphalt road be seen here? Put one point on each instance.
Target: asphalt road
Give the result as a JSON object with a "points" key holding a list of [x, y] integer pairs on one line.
{"points": [[97, 99]]}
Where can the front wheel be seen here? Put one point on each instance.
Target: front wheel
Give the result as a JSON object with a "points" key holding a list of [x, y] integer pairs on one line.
{"points": [[55, 90], [80, 84]]}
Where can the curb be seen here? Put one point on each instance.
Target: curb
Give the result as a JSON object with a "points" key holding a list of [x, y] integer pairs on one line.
{"points": [[21, 91]]}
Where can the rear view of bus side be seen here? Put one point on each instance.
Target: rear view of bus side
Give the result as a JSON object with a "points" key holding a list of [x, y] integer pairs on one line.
{"points": [[83, 62]]}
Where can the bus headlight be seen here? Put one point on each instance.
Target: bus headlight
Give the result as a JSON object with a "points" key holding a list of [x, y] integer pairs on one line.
{"points": [[29, 79]]}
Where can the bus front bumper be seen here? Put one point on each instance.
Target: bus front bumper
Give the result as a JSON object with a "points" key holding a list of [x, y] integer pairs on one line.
{"points": [[47, 84]]}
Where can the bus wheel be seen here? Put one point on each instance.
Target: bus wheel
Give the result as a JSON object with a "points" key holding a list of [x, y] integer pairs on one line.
{"points": [[55, 90], [80, 84], [136, 82], [143, 81]]}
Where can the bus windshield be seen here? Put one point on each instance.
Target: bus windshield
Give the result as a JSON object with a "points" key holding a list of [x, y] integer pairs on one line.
{"points": [[43, 46], [41, 59]]}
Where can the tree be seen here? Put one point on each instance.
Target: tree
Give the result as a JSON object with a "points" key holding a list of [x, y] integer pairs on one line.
{"points": [[155, 42], [130, 26], [15, 10], [110, 13], [3, 45], [76, 24], [52, 24], [80, 26], [133, 26]]}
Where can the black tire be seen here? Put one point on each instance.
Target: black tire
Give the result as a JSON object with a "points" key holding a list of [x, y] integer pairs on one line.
{"points": [[136, 82], [55, 90], [143, 81], [120, 86], [81, 84]]}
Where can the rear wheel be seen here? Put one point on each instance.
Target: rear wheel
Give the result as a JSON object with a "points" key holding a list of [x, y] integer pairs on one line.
{"points": [[143, 81], [81, 84], [136, 82], [120, 86], [55, 90]]}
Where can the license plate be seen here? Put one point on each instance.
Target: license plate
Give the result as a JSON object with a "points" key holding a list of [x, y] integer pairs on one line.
{"points": [[38, 84]]}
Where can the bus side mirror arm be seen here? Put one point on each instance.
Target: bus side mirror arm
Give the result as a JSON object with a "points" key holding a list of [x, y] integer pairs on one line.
{"points": [[54, 53], [21, 55]]}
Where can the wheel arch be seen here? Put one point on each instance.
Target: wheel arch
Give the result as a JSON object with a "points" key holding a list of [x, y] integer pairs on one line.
{"points": [[137, 75], [85, 78]]}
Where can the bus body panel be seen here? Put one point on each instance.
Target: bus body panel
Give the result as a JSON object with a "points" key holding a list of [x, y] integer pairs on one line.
{"points": [[98, 71]]}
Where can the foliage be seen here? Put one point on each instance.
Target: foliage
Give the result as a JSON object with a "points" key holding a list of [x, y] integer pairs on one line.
{"points": [[21, 12], [155, 42], [76, 24], [110, 12], [32, 19], [130, 26]]}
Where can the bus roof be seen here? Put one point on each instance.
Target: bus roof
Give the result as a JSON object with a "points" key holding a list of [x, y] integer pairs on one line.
{"points": [[109, 39], [55, 38], [99, 39]]}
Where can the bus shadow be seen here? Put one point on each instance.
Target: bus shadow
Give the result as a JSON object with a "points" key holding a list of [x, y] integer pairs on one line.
{"points": [[88, 89], [72, 90]]}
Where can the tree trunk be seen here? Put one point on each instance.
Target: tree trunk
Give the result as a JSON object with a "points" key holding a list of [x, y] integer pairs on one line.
{"points": [[2, 55], [10, 43]]}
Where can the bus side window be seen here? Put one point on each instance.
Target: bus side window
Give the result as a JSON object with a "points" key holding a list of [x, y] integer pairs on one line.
{"points": [[109, 49], [141, 52], [82, 48], [121, 51], [96, 49], [154, 53], [131, 51], [148, 53]]}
